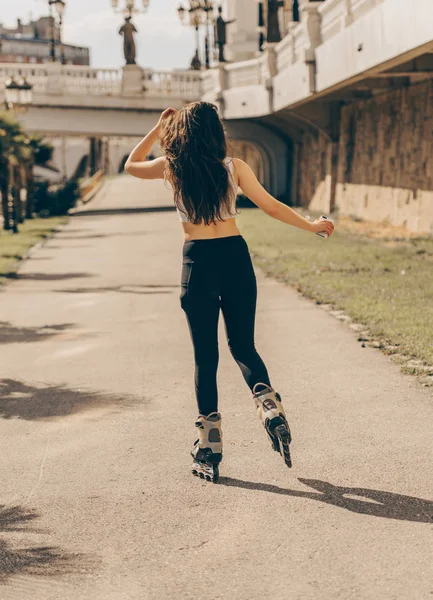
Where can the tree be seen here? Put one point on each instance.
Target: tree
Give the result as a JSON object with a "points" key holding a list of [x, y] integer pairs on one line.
{"points": [[19, 153], [14, 152], [42, 153]]}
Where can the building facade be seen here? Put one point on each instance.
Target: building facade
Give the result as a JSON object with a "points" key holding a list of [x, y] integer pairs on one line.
{"points": [[31, 43]]}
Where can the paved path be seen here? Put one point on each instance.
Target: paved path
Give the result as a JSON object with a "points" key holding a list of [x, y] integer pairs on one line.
{"points": [[96, 423]]}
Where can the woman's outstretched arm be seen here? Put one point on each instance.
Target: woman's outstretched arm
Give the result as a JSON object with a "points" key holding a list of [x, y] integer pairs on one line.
{"points": [[252, 188], [137, 165]]}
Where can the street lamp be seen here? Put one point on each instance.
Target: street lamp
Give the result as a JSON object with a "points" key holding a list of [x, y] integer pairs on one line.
{"points": [[18, 93], [209, 9], [130, 8], [60, 9], [199, 12]]}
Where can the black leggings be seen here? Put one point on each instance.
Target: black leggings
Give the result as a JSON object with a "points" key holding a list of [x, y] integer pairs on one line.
{"points": [[218, 274]]}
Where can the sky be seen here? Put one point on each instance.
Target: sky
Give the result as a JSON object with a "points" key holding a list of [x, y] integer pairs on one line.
{"points": [[162, 42]]}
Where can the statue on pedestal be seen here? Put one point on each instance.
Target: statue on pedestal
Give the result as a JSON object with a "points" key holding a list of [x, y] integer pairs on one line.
{"points": [[273, 30], [221, 33], [127, 30]]}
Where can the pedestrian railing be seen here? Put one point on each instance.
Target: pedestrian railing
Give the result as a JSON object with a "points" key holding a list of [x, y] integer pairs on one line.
{"points": [[69, 80], [172, 83]]}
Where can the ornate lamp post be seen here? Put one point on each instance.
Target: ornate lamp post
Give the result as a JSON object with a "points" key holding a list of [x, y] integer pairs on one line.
{"points": [[60, 9], [130, 9], [199, 12], [209, 9]]}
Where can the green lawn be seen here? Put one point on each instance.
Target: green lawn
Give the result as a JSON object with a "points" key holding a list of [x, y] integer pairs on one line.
{"points": [[385, 284], [13, 247]]}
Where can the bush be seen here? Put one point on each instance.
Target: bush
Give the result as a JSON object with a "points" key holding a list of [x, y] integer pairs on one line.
{"points": [[54, 201]]}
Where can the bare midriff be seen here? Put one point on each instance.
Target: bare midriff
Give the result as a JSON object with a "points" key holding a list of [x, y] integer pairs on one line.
{"points": [[220, 229]]}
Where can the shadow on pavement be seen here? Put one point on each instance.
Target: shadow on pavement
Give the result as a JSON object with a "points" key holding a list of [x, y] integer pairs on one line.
{"points": [[48, 246], [123, 289], [19, 400], [38, 560], [123, 211], [375, 503], [47, 276], [99, 235], [84, 237], [10, 334]]}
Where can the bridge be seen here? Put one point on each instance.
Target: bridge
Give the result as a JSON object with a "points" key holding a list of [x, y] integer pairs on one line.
{"points": [[338, 114]]}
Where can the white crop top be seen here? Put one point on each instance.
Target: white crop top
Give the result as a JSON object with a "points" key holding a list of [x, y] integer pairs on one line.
{"points": [[232, 191]]}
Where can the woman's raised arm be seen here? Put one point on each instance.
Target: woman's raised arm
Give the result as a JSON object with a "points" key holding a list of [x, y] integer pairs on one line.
{"points": [[252, 188], [137, 165]]}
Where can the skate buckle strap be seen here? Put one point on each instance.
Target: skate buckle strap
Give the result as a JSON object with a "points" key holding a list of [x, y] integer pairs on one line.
{"points": [[267, 389]]}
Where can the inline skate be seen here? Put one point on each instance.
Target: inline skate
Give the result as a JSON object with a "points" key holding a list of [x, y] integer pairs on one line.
{"points": [[272, 415], [207, 450]]}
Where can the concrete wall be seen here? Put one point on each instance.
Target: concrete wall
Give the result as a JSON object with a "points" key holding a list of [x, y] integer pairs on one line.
{"points": [[312, 182], [385, 166], [381, 166]]}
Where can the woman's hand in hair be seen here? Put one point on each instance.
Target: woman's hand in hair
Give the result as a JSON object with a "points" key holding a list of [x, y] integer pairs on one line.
{"points": [[167, 113]]}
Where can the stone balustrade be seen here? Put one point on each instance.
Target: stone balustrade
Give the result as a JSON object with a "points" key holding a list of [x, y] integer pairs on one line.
{"points": [[185, 84], [75, 82], [79, 80], [36, 74], [338, 14], [335, 40]]}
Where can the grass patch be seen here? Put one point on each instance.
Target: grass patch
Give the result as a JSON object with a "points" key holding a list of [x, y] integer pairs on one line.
{"points": [[384, 283], [13, 247]]}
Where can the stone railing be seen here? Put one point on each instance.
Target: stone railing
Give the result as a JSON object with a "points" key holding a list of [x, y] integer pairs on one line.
{"points": [[248, 72], [241, 74], [172, 83], [72, 81], [210, 81], [284, 51], [338, 14], [37, 75], [79, 80]]}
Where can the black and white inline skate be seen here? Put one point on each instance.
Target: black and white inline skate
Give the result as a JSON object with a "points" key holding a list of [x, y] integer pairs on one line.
{"points": [[272, 415], [207, 450]]}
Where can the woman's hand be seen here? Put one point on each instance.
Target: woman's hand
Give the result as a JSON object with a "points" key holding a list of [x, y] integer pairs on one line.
{"points": [[322, 225], [167, 113]]}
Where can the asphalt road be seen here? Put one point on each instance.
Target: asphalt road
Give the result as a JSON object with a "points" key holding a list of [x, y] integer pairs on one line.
{"points": [[96, 423]]}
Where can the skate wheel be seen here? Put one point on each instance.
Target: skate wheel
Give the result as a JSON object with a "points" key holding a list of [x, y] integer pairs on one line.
{"points": [[284, 438]]}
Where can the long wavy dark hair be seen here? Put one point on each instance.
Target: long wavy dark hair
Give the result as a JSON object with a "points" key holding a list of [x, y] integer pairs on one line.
{"points": [[195, 146]]}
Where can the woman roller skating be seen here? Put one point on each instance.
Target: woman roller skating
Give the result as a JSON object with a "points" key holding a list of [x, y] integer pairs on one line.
{"points": [[217, 272]]}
